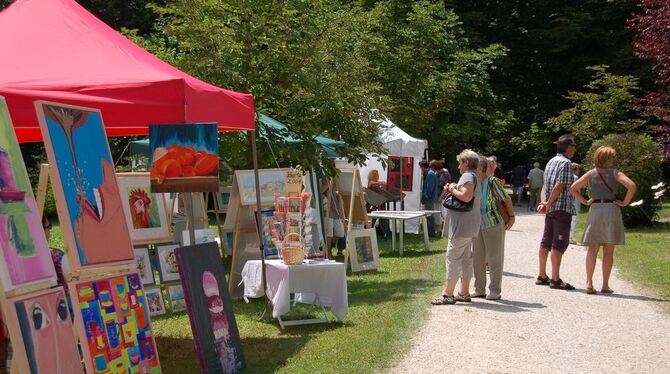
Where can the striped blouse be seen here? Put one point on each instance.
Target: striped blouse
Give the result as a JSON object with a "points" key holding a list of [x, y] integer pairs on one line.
{"points": [[492, 190]]}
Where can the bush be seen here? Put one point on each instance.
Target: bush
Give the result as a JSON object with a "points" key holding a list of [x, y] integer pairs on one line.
{"points": [[638, 157]]}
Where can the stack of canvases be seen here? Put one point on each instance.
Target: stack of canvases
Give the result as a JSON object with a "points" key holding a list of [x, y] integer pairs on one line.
{"points": [[108, 302], [182, 162]]}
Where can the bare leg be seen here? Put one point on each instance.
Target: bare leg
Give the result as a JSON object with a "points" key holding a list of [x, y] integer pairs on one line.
{"points": [[591, 256], [465, 286], [543, 254], [451, 285], [608, 261], [331, 241], [556, 257]]}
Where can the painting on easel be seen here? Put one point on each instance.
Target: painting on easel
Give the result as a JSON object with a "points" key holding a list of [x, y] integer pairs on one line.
{"points": [[25, 256], [185, 158], [87, 194]]}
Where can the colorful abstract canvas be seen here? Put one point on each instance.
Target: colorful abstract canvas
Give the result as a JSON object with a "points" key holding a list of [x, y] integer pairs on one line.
{"points": [[184, 158], [167, 261], [113, 322], [144, 265], [25, 257], [155, 302], [84, 183], [145, 212], [217, 340], [40, 328]]}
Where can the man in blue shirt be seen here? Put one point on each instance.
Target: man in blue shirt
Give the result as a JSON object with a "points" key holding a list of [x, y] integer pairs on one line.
{"points": [[430, 191]]}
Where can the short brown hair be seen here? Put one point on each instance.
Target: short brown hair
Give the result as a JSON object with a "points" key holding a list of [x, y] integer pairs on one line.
{"points": [[435, 165], [604, 157]]}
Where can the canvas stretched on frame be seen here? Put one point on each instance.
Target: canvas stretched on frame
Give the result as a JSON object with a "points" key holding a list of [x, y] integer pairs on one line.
{"points": [[40, 328], [25, 259], [112, 320], [363, 250], [84, 183], [145, 212], [217, 339]]}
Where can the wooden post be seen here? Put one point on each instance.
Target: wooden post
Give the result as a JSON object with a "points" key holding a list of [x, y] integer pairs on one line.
{"points": [[42, 188]]}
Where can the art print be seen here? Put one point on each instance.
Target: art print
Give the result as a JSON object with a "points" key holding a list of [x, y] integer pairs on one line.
{"points": [[145, 212], [210, 309], [267, 225], [167, 261], [294, 204], [400, 170], [223, 198], [185, 158], [84, 182], [201, 236], [271, 181], [363, 250], [177, 300], [25, 257], [114, 327], [144, 265], [40, 328], [155, 302]]}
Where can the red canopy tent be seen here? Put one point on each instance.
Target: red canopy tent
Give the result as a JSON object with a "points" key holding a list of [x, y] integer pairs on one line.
{"points": [[56, 50]]}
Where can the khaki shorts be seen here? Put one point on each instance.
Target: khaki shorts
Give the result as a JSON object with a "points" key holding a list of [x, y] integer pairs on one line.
{"points": [[334, 228]]}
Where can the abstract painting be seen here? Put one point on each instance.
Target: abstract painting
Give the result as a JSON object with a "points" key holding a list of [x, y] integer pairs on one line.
{"points": [[176, 295], [217, 340], [363, 250], [40, 328], [146, 213], [144, 265], [25, 257], [113, 323], [184, 158], [155, 300], [167, 261], [394, 175], [84, 183]]}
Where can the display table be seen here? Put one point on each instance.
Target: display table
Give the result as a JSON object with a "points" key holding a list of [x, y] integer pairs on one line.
{"points": [[398, 217], [323, 284]]}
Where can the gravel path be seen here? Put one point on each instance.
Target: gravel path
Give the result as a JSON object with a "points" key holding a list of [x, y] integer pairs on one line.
{"points": [[540, 330]]}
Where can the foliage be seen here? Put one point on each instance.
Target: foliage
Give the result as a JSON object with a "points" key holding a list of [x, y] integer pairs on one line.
{"points": [[604, 107], [637, 157]]}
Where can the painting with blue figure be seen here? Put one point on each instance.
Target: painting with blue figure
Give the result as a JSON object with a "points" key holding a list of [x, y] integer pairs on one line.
{"points": [[184, 157], [85, 185]]}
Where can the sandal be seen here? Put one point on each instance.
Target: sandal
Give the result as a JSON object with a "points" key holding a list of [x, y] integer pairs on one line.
{"points": [[591, 291], [542, 281], [444, 300], [560, 285], [609, 290], [463, 298]]}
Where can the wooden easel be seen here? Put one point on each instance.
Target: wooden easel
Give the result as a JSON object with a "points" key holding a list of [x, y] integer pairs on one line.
{"points": [[352, 197]]}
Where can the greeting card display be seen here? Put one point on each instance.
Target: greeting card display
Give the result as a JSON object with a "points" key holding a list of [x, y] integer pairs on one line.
{"points": [[84, 183], [185, 158], [25, 257]]}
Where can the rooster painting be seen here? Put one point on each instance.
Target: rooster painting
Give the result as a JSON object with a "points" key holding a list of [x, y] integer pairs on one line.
{"points": [[140, 205]]}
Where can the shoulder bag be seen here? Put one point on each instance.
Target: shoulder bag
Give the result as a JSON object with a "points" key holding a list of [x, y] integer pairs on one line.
{"points": [[452, 203]]}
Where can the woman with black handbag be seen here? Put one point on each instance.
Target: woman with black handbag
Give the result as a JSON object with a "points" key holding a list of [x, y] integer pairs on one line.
{"points": [[463, 205]]}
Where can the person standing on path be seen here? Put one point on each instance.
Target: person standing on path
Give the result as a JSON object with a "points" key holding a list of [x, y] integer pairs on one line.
{"points": [[558, 206], [535, 183], [518, 179], [604, 226], [489, 246], [430, 192], [462, 228]]}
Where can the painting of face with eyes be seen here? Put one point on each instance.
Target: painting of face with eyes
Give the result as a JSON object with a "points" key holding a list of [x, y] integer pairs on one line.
{"points": [[42, 323]]}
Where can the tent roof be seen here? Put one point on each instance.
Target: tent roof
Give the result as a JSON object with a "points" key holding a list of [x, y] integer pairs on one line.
{"points": [[398, 142], [56, 50], [329, 145]]}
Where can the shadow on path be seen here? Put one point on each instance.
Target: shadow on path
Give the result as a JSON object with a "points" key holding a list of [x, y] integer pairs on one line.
{"points": [[515, 275], [505, 306]]}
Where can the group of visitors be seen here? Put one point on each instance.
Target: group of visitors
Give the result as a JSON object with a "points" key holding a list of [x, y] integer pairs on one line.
{"points": [[477, 236]]}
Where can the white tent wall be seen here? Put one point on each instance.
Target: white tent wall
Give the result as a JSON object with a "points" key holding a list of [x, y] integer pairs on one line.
{"points": [[398, 143]]}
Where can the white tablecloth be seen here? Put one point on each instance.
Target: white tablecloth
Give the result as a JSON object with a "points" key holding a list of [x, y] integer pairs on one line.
{"points": [[327, 280]]}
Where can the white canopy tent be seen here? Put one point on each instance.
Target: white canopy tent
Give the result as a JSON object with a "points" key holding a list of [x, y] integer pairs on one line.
{"points": [[401, 144]]}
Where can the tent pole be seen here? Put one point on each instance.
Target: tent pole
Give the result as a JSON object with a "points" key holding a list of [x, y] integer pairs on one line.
{"points": [[259, 222]]}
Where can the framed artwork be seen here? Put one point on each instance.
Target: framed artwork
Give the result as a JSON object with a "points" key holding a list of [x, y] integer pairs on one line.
{"points": [[396, 173], [144, 265], [271, 181], [84, 184], [217, 339], [176, 295], [201, 236], [184, 157], [223, 198], [267, 225], [113, 323], [25, 258], [363, 250], [40, 328], [145, 212], [155, 302], [167, 262]]}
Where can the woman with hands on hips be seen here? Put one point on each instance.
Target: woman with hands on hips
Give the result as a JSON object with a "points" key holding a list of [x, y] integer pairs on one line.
{"points": [[604, 225]]}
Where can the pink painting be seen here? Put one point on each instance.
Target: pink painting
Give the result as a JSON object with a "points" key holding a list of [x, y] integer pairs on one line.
{"points": [[25, 254]]}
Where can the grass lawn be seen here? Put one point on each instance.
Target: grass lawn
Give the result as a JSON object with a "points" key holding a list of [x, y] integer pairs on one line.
{"points": [[385, 311], [645, 259]]}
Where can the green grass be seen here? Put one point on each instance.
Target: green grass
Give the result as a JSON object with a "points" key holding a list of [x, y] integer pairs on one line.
{"points": [[645, 259], [385, 311]]}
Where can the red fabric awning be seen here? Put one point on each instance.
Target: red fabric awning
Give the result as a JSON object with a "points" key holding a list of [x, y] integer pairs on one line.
{"points": [[56, 50]]}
